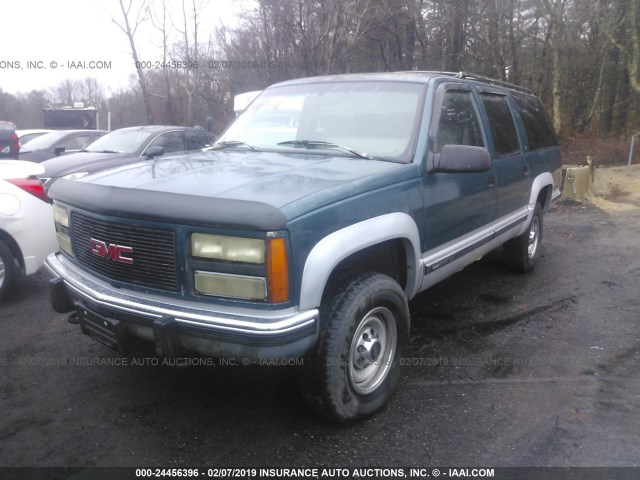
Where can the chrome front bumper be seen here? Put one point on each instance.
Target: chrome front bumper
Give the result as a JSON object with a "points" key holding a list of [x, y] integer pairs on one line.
{"points": [[200, 327]]}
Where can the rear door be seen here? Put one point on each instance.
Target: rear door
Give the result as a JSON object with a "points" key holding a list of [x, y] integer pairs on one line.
{"points": [[512, 166]]}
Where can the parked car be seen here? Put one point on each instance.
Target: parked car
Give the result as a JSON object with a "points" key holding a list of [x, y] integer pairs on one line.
{"points": [[123, 146], [9, 142], [58, 142], [27, 232], [29, 134], [326, 206]]}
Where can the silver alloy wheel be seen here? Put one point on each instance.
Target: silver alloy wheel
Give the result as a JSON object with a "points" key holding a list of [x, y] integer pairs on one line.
{"points": [[534, 236], [2, 272], [372, 350]]}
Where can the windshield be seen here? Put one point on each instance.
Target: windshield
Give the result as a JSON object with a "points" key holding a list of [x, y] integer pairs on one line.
{"points": [[375, 119], [45, 141], [120, 141]]}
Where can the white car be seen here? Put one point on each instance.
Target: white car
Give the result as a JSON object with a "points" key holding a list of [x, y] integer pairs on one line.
{"points": [[27, 135], [27, 231]]}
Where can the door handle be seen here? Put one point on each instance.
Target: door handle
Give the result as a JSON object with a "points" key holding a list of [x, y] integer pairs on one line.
{"points": [[492, 181]]}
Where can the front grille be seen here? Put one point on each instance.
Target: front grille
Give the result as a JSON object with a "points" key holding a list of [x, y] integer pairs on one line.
{"points": [[153, 252]]}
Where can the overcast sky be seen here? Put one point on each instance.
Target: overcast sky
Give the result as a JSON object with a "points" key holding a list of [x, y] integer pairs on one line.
{"points": [[52, 33]]}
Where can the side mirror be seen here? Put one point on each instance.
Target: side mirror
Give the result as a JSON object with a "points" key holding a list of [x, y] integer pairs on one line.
{"points": [[462, 159], [154, 151], [58, 151]]}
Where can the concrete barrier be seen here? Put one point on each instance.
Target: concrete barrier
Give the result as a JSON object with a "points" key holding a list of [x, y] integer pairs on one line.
{"points": [[577, 181]]}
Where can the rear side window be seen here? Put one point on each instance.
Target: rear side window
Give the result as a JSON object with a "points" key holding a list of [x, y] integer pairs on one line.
{"points": [[536, 122], [503, 129], [458, 123]]}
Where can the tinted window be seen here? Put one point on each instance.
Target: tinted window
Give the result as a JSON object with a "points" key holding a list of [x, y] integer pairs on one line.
{"points": [[171, 141], [503, 130], [536, 122], [197, 140], [458, 123]]}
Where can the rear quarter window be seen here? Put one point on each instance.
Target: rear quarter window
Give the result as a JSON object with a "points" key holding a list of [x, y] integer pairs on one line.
{"points": [[536, 122]]}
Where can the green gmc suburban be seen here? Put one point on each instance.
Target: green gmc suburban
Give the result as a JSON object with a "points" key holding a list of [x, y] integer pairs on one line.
{"points": [[326, 206]]}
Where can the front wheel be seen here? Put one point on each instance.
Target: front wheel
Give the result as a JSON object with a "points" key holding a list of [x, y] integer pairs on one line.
{"points": [[354, 368], [523, 252]]}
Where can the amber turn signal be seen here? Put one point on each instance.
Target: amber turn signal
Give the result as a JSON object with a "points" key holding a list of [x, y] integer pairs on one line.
{"points": [[277, 270]]}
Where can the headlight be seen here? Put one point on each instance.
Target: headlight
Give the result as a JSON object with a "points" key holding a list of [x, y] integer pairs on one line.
{"points": [[236, 286], [75, 175], [65, 243], [61, 219], [232, 249], [60, 215]]}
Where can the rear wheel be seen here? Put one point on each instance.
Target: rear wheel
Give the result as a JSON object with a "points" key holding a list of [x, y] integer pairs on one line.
{"points": [[354, 368], [7, 270], [522, 252]]}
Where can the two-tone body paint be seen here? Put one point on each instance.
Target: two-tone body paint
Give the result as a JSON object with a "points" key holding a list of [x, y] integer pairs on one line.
{"points": [[334, 207]]}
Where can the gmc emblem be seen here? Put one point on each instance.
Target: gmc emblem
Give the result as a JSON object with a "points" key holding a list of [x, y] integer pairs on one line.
{"points": [[111, 251]]}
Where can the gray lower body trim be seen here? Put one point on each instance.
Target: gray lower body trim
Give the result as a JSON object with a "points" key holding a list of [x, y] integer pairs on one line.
{"points": [[437, 260], [446, 260]]}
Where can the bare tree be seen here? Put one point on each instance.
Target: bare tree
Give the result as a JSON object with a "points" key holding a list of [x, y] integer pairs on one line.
{"points": [[65, 93], [91, 91], [129, 28], [190, 55], [160, 20]]}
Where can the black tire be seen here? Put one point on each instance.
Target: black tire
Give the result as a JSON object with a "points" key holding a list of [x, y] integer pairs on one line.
{"points": [[353, 370], [522, 253], [8, 270]]}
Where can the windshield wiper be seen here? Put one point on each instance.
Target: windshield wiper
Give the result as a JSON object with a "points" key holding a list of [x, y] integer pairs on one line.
{"points": [[231, 144], [311, 144], [101, 151]]}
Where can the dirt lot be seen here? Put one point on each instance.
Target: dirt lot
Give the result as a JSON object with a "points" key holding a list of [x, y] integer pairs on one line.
{"points": [[616, 189], [503, 370]]}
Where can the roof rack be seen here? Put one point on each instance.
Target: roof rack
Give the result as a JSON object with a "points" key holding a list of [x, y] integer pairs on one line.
{"points": [[492, 81]]}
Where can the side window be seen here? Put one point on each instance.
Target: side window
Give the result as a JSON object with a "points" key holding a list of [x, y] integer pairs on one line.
{"points": [[75, 143], [536, 122], [503, 130], [458, 123], [198, 140], [171, 141]]}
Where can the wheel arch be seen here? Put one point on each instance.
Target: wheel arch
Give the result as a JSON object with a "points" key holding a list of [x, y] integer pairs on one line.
{"points": [[13, 247], [541, 192], [372, 242]]}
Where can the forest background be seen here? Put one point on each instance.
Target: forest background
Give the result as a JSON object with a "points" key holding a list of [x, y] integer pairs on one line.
{"points": [[581, 57]]}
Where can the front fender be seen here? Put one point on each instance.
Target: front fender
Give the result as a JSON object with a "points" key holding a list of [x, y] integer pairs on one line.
{"points": [[334, 248]]}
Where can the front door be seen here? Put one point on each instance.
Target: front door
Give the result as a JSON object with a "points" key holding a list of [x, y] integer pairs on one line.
{"points": [[456, 204]]}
